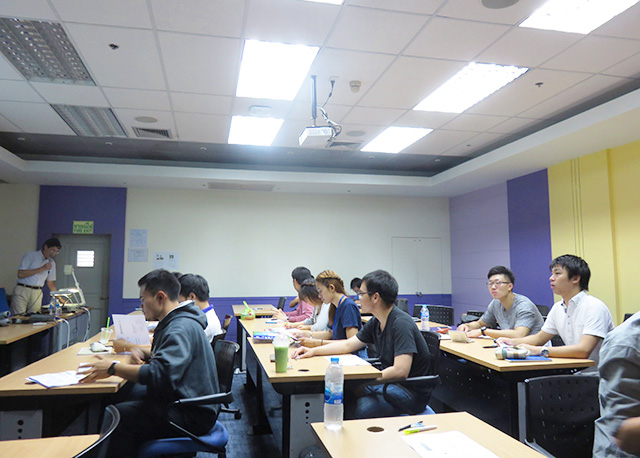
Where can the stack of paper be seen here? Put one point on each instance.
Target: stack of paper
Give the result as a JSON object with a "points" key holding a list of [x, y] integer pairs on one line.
{"points": [[57, 379]]}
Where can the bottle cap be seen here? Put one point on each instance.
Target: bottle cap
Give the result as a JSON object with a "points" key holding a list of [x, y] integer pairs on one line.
{"points": [[335, 359]]}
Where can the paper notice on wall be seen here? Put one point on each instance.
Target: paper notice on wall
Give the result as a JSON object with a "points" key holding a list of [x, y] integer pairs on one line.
{"points": [[166, 260], [138, 255], [138, 238]]}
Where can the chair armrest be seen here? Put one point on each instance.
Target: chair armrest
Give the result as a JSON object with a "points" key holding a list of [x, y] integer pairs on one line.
{"points": [[218, 398], [375, 362]]}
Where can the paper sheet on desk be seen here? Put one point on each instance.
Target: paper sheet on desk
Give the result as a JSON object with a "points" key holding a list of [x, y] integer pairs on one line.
{"points": [[132, 328], [349, 360], [57, 379], [452, 444]]}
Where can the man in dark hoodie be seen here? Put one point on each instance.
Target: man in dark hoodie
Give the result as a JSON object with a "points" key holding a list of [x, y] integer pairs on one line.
{"points": [[179, 365]]}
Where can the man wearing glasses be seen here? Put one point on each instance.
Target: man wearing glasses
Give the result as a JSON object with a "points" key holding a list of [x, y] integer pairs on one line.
{"points": [[515, 313]]}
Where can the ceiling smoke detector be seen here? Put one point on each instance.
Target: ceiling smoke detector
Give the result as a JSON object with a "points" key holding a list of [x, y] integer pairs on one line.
{"points": [[498, 4]]}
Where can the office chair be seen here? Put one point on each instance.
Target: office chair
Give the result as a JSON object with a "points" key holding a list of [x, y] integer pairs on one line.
{"points": [[226, 322], [98, 449], [627, 316], [217, 337], [281, 303], [441, 314], [556, 414], [225, 353], [470, 316], [402, 304], [544, 310]]}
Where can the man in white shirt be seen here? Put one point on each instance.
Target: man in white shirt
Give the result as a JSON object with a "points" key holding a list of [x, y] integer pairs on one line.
{"points": [[581, 320], [195, 288], [35, 268]]}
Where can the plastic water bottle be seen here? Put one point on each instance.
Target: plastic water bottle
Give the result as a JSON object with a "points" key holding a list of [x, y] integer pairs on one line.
{"points": [[424, 318], [333, 395]]}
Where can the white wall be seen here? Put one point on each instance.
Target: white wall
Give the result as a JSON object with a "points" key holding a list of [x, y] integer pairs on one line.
{"points": [[18, 230], [247, 243]]}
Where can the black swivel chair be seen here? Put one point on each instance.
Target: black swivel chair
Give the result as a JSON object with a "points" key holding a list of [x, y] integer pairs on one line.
{"points": [[98, 449], [544, 310], [281, 303], [442, 314], [225, 353], [470, 316], [403, 304], [557, 413]]}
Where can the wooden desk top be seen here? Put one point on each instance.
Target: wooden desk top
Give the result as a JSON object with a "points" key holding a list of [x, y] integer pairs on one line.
{"points": [[15, 332], [260, 309], [486, 357], [302, 370], [15, 383], [354, 436], [49, 446]]}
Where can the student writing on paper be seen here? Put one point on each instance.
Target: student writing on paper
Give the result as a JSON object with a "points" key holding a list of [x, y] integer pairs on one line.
{"points": [[581, 320], [180, 365], [402, 351], [304, 310], [515, 313], [319, 320]]}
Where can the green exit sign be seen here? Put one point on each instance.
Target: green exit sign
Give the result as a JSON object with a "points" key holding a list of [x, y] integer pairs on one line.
{"points": [[83, 227]]}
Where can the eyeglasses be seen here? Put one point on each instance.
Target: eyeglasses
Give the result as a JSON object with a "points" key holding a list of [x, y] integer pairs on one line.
{"points": [[497, 283]]}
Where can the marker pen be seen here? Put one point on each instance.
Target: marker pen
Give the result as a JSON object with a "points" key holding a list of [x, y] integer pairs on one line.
{"points": [[420, 429]]}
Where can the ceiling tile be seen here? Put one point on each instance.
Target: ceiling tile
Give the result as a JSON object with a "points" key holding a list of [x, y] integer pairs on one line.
{"points": [[279, 108], [472, 122], [374, 30], [207, 17], [201, 103], [8, 71], [199, 69], [138, 99], [527, 47], [629, 68], [8, 126], [202, 128], [523, 93], [302, 111], [624, 25], [513, 125], [594, 54], [28, 9], [284, 21], [37, 118], [127, 120], [439, 141], [573, 96], [373, 116], [125, 13], [70, 94], [289, 133], [135, 64], [472, 144], [429, 119], [454, 39], [474, 10], [18, 91], [408, 81], [409, 6]]}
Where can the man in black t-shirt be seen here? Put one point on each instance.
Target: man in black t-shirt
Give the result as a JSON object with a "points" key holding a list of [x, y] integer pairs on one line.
{"points": [[402, 351]]}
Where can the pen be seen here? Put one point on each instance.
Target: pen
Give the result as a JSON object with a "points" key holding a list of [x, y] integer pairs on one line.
{"points": [[412, 425], [420, 429]]}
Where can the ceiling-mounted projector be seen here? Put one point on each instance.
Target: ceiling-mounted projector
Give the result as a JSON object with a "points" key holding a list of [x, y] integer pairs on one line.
{"points": [[315, 136]]}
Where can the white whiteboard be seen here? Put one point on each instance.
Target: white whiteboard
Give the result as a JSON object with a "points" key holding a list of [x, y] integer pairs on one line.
{"points": [[417, 264]]}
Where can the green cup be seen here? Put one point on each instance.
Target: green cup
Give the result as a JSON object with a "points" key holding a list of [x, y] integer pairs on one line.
{"points": [[282, 357]]}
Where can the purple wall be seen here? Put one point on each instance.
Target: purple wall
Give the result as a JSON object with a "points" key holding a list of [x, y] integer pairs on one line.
{"points": [[479, 240], [530, 236], [60, 206]]}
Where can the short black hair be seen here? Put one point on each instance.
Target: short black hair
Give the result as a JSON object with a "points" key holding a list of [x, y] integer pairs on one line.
{"points": [[53, 242], [300, 274], [161, 280], [356, 282], [502, 270], [383, 283], [574, 265], [196, 284]]}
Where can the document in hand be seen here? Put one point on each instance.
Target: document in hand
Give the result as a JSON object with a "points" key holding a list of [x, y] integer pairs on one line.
{"points": [[57, 379]]}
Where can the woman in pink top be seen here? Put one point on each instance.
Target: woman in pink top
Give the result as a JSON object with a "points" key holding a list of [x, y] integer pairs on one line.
{"points": [[304, 309]]}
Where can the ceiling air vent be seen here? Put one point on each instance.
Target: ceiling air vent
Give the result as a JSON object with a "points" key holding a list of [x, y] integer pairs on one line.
{"points": [[235, 186], [143, 132], [343, 145]]}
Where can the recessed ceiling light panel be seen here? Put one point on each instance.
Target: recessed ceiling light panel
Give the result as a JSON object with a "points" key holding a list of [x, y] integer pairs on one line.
{"points": [[251, 130], [576, 16], [469, 86], [395, 139], [90, 121], [42, 52], [273, 70]]}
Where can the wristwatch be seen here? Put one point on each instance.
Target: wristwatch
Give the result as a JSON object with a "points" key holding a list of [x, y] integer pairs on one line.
{"points": [[112, 368], [482, 329], [544, 352]]}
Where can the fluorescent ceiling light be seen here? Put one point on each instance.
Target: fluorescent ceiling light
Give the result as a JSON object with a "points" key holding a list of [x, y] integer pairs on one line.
{"points": [[577, 16], [42, 52], [273, 70], [91, 121], [395, 139], [470, 85], [250, 130]]}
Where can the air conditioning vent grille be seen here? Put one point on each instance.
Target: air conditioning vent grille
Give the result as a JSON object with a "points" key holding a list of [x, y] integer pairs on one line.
{"points": [[143, 132]]}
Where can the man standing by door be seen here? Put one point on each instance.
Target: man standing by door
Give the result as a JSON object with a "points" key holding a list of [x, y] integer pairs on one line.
{"points": [[35, 268]]}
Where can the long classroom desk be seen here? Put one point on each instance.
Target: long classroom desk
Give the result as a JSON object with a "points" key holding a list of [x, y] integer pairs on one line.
{"points": [[63, 446], [473, 380], [260, 310], [301, 387], [30, 402], [356, 436]]}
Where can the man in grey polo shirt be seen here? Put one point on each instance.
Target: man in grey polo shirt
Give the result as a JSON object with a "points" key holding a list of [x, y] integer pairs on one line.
{"points": [[515, 313], [35, 268]]}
